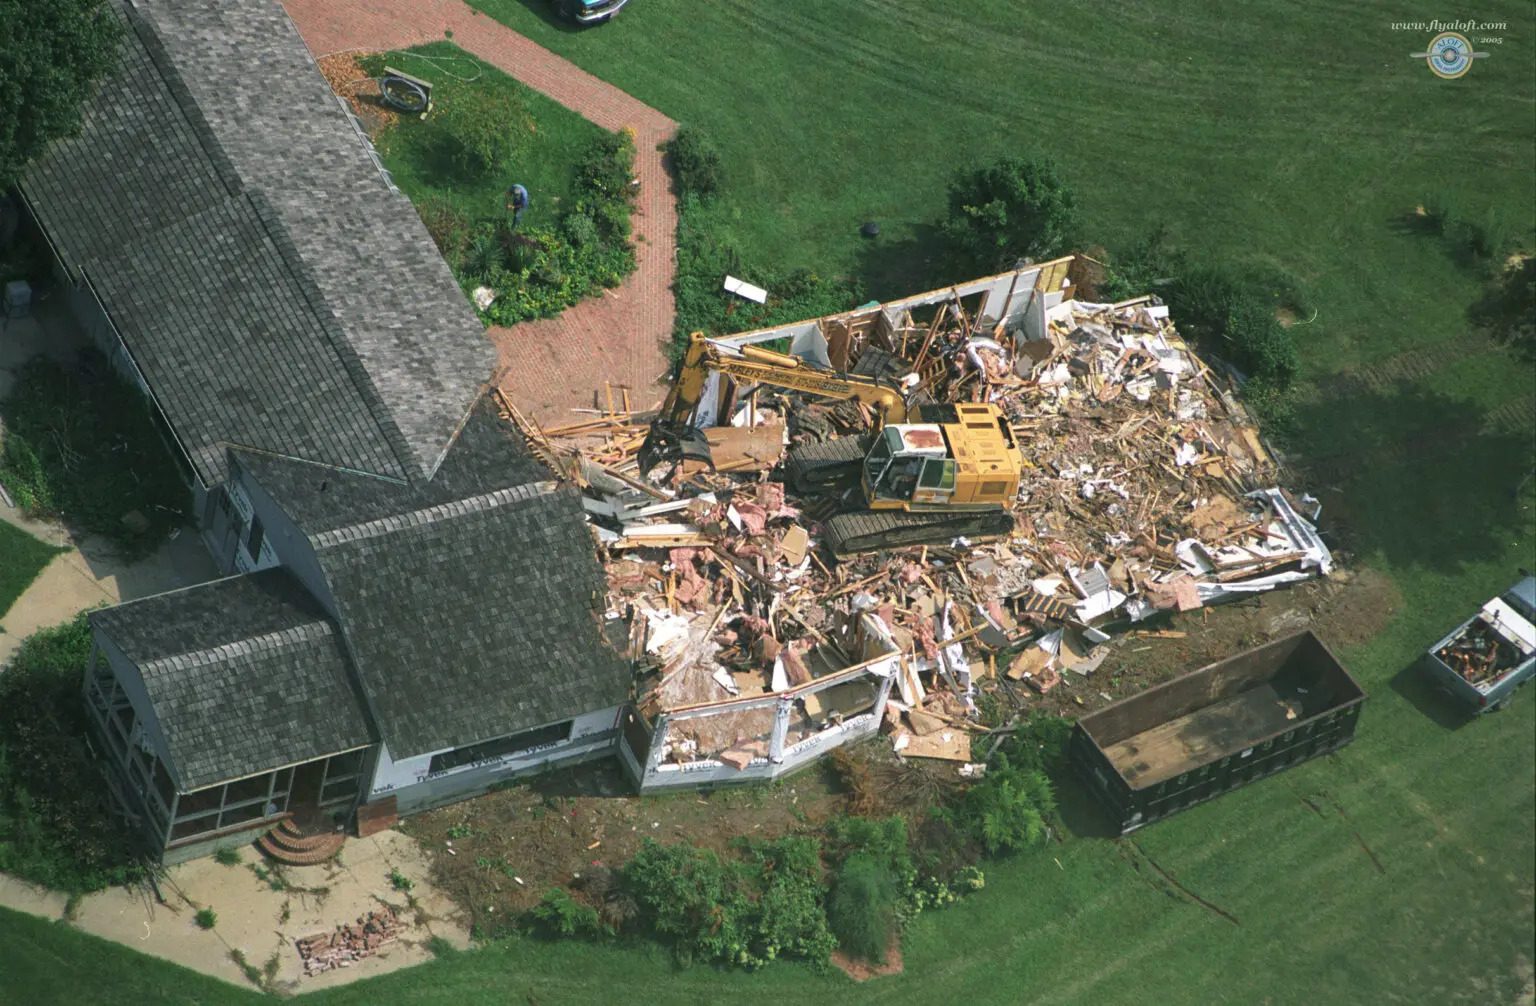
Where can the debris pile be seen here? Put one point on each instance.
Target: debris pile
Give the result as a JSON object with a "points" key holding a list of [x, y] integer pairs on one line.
{"points": [[1145, 489], [1479, 654], [349, 943]]}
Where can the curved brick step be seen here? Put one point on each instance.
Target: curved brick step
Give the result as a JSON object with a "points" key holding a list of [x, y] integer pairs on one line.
{"points": [[317, 848]]}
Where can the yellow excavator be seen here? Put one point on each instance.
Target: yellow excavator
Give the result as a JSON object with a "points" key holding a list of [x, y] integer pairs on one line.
{"points": [[930, 474]]}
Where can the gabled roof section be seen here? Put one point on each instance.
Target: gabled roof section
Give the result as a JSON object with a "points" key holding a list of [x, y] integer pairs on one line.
{"points": [[271, 286], [246, 674], [395, 299], [472, 606]]}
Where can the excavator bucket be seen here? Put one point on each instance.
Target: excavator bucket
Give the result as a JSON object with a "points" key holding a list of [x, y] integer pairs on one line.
{"points": [[672, 443]]}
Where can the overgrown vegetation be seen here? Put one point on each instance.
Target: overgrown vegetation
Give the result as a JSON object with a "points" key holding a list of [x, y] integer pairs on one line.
{"points": [[764, 903], [81, 445], [1014, 208], [1507, 310], [56, 823], [227, 855], [485, 134]]}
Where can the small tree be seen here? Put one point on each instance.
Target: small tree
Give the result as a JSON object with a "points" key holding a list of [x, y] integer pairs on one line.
{"points": [[695, 163], [861, 910], [485, 128], [1016, 208], [53, 53]]}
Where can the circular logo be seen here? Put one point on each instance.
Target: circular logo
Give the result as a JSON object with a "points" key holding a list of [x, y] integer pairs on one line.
{"points": [[1450, 55]]}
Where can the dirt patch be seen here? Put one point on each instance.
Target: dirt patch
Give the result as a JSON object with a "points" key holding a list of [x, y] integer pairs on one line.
{"points": [[863, 971], [351, 82], [498, 854]]}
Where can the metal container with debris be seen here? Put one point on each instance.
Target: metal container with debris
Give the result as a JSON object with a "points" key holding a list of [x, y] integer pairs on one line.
{"points": [[1215, 729], [1487, 657]]}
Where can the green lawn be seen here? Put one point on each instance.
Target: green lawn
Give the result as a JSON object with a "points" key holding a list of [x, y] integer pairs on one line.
{"points": [[1297, 137], [22, 557], [419, 157]]}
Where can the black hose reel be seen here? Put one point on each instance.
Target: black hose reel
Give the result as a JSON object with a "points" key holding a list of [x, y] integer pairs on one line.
{"points": [[402, 91]]}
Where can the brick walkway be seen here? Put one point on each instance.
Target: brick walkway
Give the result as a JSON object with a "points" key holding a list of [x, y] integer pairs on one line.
{"points": [[551, 366]]}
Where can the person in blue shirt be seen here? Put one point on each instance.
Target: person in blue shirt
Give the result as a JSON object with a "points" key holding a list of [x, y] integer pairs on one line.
{"points": [[517, 201]]}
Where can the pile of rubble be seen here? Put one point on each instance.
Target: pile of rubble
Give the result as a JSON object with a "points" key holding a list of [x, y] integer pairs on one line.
{"points": [[349, 943], [1146, 489]]}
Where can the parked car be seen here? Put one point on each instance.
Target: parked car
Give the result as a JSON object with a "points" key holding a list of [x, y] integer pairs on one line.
{"points": [[589, 11], [1491, 654]]}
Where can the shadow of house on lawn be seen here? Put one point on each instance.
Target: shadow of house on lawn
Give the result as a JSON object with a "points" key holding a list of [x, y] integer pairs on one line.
{"points": [[1418, 477]]}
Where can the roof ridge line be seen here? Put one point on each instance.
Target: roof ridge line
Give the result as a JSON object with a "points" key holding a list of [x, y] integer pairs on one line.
{"points": [[277, 639], [154, 48], [328, 466], [433, 514]]}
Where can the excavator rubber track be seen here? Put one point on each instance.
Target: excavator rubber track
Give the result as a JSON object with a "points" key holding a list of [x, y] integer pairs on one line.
{"points": [[873, 531], [825, 466]]}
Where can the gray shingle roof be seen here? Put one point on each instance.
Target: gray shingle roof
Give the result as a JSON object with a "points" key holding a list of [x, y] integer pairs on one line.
{"points": [[273, 289], [473, 605], [245, 674]]}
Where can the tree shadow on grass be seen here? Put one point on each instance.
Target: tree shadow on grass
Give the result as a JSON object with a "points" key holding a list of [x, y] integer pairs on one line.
{"points": [[890, 267], [1418, 477]]}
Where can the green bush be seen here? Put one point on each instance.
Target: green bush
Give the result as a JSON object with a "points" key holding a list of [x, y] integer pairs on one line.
{"points": [[559, 914], [1508, 309], [483, 128], [1007, 810], [1039, 745], [695, 163], [861, 909], [57, 825], [884, 840], [206, 918], [1234, 316], [1013, 209], [750, 909], [81, 444]]}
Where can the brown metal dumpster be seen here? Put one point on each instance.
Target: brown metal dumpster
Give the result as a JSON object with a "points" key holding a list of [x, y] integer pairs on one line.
{"points": [[1215, 729]]}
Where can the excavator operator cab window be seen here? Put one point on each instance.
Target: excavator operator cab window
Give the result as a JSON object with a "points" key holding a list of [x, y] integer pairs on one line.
{"points": [[938, 475], [880, 456], [900, 479]]}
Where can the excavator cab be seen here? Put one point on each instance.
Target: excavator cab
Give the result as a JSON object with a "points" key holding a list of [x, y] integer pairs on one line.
{"points": [[909, 463]]}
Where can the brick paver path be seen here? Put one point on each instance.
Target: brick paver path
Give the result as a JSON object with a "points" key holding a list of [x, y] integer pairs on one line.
{"points": [[550, 366]]}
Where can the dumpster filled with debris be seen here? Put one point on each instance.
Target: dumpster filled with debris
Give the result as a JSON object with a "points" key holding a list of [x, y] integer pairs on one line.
{"points": [[1215, 729], [1487, 657]]}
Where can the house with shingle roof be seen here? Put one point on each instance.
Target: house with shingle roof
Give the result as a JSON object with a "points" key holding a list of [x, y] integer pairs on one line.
{"points": [[413, 610]]}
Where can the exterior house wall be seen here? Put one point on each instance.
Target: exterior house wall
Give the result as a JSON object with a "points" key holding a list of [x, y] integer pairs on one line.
{"points": [[289, 546], [415, 787], [128, 679]]}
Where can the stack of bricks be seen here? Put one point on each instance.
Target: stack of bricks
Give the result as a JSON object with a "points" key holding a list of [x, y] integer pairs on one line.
{"points": [[349, 943]]}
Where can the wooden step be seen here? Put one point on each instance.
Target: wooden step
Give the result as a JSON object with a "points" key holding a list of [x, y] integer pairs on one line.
{"points": [[301, 843]]}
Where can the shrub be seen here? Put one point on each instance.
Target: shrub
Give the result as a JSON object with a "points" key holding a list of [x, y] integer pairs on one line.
{"points": [[206, 918], [747, 910], [57, 827], [1233, 316], [1007, 810], [883, 840], [559, 914], [483, 128], [695, 163], [861, 910], [1040, 744], [227, 856], [1013, 209], [1508, 309]]}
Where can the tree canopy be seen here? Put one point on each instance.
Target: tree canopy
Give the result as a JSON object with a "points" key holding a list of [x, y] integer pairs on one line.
{"points": [[52, 53], [1015, 208]]}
